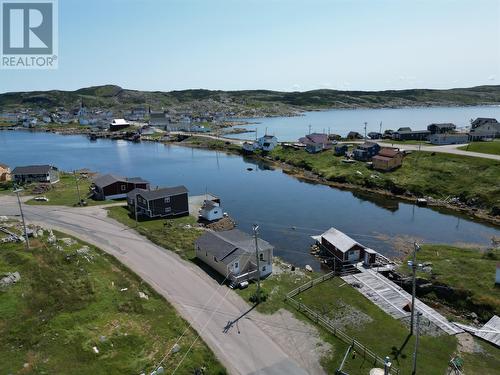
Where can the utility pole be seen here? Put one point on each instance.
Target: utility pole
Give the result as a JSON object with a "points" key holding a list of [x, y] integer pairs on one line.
{"points": [[416, 346], [309, 128], [380, 131], [365, 129], [78, 189], [135, 211], [414, 284], [255, 228], [17, 191], [387, 366]]}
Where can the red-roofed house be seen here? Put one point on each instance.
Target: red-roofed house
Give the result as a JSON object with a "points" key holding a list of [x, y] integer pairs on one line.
{"points": [[387, 159]]}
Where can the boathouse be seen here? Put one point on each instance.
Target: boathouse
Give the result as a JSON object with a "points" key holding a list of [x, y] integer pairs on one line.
{"points": [[344, 248]]}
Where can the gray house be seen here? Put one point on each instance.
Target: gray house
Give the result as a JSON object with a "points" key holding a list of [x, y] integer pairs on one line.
{"points": [[170, 201], [232, 254], [484, 128], [35, 173]]}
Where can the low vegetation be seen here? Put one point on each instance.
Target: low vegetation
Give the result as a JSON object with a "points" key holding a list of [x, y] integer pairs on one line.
{"points": [[483, 147], [465, 278], [350, 311], [64, 192], [77, 310], [177, 234], [473, 180]]}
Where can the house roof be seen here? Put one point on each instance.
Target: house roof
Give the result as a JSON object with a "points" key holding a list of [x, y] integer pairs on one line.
{"points": [[33, 169], [404, 129], [315, 138], [119, 121], [158, 193], [367, 145], [339, 239], [444, 125], [381, 158], [108, 179], [412, 131], [228, 245], [208, 205], [388, 152]]}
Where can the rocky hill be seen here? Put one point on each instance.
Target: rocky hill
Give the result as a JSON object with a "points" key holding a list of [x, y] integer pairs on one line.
{"points": [[248, 102]]}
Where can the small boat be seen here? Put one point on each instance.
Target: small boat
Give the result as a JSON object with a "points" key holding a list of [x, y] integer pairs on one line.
{"points": [[308, 268], [421, 202], [348, 161]]}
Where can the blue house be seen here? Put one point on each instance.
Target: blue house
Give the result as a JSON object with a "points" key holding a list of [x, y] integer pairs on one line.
{"points": [[366, 151], [340, 150]]}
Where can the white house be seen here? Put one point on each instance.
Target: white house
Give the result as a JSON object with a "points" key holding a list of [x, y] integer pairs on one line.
{"points": [[250, 146], [268, 142], [211, 211], [232, 253]]}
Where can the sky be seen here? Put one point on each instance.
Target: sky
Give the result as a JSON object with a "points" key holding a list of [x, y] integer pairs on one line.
{"points": [[287, 45]]}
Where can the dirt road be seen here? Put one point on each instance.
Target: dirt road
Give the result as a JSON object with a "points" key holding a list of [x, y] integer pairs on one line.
{"points": [[248, 348]]}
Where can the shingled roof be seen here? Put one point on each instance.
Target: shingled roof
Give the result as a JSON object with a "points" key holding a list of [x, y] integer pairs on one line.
{"points": [[32, 169], [158, 193]]}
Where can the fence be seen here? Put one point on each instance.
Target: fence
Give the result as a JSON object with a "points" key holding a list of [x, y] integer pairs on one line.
{"points": [[318, 319]]}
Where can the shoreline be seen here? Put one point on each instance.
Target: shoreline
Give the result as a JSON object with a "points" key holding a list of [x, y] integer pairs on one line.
{"points": [[301, 174]]}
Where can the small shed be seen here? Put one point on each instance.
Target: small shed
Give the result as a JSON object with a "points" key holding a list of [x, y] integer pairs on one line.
{"points": [[211, 211]]}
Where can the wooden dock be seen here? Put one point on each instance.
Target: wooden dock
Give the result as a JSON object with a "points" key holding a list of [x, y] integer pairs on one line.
{"points": [[489, 332], [392, 298]]}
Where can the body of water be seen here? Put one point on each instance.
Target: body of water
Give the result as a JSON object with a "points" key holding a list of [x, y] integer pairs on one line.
{"points": [[342, 121], [288, 211]]}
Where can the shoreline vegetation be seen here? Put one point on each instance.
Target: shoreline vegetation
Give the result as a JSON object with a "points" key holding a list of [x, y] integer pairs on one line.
{"points": [[435, 175], [457, 183]]}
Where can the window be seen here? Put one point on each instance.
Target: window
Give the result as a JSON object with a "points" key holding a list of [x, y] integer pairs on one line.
{"points": [[167, 200], [168, 209], [124, 187], [261, 256], [264, 269], [236, 265]]}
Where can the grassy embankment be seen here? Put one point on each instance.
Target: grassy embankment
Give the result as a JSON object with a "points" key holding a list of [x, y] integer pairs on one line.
{"points": [[67, 302], [65, 193], [473, 180], [176, 234], [469, 274], [484, 147]]}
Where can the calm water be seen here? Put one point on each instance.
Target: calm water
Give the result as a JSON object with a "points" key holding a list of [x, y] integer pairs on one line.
{"points": [[270, 198], [341, 121]]}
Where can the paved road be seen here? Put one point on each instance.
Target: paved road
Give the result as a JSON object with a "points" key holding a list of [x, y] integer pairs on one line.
{"points": [[197, 297], [447, 149]]}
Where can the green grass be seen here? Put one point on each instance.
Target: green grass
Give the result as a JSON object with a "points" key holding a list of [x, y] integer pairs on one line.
{"points": [[177, 234], [484, 147], [470, 272], [438, 175], [383, 334], [66, 303], [65, 193]]}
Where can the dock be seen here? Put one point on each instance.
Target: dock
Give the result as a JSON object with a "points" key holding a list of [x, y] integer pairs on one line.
{"points": [[391, 298], [489, 332]]}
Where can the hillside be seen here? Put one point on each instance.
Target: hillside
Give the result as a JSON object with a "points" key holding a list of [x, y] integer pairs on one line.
{"points": [[249, 102]]}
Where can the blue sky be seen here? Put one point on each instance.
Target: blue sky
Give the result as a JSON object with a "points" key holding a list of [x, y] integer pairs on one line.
{"points": [[280, 45]]}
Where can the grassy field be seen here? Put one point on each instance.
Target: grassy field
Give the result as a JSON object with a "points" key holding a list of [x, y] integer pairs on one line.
{"points": [[69, 301], [65, 193], [176, 234], [483, 147], [473, 180], [370, 325], [470, 272]]}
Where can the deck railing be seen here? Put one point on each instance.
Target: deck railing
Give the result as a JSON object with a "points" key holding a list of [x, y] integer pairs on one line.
{"points": [[325, 323]]}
